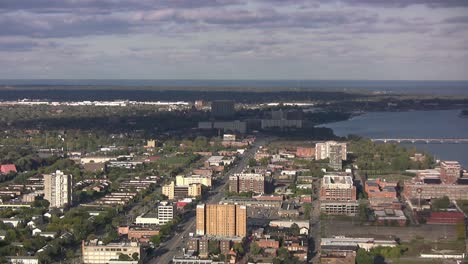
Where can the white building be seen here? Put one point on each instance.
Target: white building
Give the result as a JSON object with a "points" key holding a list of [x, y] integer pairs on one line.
{"points": [[364, 243], [11, 221], [22, 260], [94, 252], [58, 189], [165, 212]]}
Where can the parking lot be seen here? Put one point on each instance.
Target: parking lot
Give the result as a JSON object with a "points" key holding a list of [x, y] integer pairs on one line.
{"points": [[262, 212], [354, 229]]}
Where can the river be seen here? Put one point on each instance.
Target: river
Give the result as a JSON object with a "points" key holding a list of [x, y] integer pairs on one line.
{"points": [[412, 124]]}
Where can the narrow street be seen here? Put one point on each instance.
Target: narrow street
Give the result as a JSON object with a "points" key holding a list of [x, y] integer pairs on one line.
{"points": [[315, 228], [173, 247]]}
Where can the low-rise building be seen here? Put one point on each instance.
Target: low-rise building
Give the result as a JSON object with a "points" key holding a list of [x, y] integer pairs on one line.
{"points": [[94, 252], [178, 192], [305, 152], [22, 259], [364, 243], [450, 218], [182, 180], [376, 188], [350, 208], [138, 233], [390, 217], [268, 243]]}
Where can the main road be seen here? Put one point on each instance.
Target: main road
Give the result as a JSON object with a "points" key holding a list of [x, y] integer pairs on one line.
{"points": [[167, 251]]}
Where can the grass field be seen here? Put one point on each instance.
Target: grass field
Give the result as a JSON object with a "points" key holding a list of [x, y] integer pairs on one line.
{"points": [[418, 246]]}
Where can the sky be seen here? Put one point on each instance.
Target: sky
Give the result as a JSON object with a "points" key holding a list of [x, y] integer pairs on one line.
{"points": [[234, 39]]}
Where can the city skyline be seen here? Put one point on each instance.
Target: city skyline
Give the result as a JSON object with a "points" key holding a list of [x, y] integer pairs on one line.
{"points": [[219, 39]]}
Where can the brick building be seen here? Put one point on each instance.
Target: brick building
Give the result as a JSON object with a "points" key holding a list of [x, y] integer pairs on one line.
{"points": [[450, 171], [247, 182], [221, 220], [304, 152], [337, 188], [375, 188]]}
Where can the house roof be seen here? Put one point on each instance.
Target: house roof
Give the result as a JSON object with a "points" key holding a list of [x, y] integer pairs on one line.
{"points": [[6, 168]]}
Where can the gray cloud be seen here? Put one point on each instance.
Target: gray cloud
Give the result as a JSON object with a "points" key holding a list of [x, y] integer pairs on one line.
{"points": [[173, 20], [457, 20], [106, 6], [382, 3], [26, 24], [25, 45], [405, 3]]}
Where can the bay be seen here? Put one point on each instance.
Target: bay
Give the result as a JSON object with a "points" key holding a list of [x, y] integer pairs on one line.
{"points": [[412, 124]]}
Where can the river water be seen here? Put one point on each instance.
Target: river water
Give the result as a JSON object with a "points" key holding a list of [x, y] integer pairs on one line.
{"points": [[413, 124]]}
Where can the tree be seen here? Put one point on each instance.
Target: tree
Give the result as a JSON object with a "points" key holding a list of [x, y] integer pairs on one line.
{"points": [[135, 256], [276, 261], [252, 162], [294, 230], [363, 211], [363, 257], [283, 253], [156, 240], [461, 230], [265, 161], [238, 248], [307, 210], [255, 249], [70, 254], [213, 247], [124, 257], [441, 203]]}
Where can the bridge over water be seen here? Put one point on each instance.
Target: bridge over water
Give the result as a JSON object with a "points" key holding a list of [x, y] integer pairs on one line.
{"points": [[422, 140]]}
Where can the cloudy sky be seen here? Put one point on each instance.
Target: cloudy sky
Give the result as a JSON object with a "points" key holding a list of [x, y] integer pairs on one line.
{"points": [[234, 39]]}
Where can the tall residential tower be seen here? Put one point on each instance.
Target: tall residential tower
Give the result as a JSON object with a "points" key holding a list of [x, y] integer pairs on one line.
{"points": [[58, 189]]}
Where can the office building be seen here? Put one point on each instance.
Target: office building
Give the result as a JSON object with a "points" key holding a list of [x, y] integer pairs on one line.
{"points": [[58, 189], [221, 220], [166, 212], [450, 171], [322, 150], [247, 182], [222, 109], [179, 192], [182, 180], [95, 252]]}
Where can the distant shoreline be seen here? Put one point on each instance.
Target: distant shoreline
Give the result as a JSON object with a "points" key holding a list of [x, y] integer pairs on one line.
{"points": [[372, 87]]}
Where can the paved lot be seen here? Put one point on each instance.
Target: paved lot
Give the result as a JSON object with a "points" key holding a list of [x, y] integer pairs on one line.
{"points": [[348, 228]]}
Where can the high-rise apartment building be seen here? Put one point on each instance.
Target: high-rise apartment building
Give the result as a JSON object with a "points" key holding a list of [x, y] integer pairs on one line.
{"points": [[247, 182], [322, 149], [223, 220], [58, 189], [335, 157]]}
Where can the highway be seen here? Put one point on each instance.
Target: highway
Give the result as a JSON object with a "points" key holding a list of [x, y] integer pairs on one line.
{"points": [[172, 247]]}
